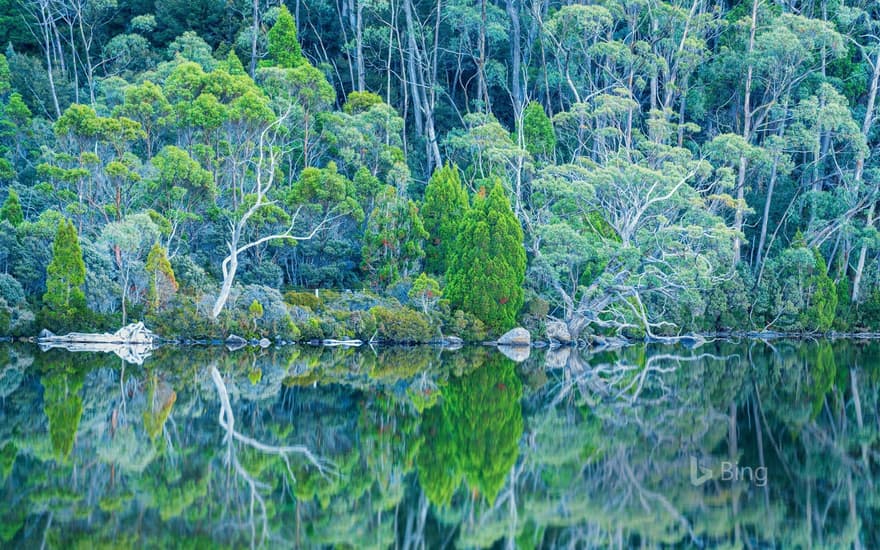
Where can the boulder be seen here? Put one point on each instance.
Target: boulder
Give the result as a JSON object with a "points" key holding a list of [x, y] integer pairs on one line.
{"points": [[515, 337], [234, 342], [448, 341], [557, 331], [265, 343]]}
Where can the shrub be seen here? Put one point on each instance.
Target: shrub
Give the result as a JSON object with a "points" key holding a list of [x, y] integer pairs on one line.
{"points": [[355, 324], [402, 325], [465, 326], [181, 318], [272, 319], [11, 290], [190, 276], [310, 330], [302, 299]]}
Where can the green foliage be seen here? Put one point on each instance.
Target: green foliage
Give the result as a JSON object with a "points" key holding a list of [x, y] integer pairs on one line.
{"points": [[11, 209], [359, 102], [487, 269], [401, 325], [393, 239], [255, 310], [63, 406], [302, 299], [475, 433], [163, 285], [64, 303], [443, 210], [425, 292], [796, 292], [284, 48], [540, 138]]}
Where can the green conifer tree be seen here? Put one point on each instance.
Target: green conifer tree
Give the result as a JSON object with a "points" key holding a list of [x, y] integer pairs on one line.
{"points": [[284, 48], [446, 203], [11, 209], [64, 303], [540, 139], [488, 264]]}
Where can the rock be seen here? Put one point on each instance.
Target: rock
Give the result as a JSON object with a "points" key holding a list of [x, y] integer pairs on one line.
{"points": [[557, 331], [448, 342], [515, 337], [518, 353], [234, 342], [265, 343]]}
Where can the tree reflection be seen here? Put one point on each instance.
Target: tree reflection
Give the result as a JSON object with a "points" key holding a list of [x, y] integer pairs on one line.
{"points": [[436, 449]]}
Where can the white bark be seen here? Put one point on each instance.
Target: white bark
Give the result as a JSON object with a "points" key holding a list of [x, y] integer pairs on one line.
{"points": [[264, 178], [860, 165]]}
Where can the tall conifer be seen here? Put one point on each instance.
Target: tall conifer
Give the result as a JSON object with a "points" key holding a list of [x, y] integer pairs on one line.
{"points": [[488, 265], [283, 46], [64, 303], [446, 203]]}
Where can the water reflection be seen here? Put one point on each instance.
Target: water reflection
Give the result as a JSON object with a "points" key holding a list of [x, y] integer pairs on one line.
{"points": [[422, 448]]}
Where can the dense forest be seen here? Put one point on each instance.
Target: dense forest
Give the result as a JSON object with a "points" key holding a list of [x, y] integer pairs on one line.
{"points": [[635, 167]]}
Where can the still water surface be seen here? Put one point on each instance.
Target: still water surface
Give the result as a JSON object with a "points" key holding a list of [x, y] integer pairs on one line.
{"points": [[746, 444]]}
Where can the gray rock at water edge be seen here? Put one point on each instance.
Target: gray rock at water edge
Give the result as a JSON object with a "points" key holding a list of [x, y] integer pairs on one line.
{"points": [[234, 342], [515, 337], [265, 342], [517, 353], [448, 341], [557, 331]]}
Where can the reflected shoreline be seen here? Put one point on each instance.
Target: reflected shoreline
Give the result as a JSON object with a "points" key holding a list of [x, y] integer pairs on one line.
{"points": [[443, 449]]}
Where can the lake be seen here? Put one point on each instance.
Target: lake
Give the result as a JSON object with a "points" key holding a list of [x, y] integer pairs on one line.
{"points": [[734, 444]]}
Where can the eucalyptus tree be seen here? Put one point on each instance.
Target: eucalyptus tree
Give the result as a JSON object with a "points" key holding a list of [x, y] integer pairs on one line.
{"points": [[130, 240], [650, 229], [255, 213]]}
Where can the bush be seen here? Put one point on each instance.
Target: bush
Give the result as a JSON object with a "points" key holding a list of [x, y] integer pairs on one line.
{"points": [[402, 325], [302, 299], [182, 319], [355, 324], [11, 290], [310, 330], [274, 320], [465, 326], [190, 276]]}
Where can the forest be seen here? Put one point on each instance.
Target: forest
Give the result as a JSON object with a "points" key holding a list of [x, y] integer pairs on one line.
{"points": [[406, 168]]}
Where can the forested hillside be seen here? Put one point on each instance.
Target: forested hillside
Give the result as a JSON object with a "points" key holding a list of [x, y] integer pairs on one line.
{"points": [[625, 166]]}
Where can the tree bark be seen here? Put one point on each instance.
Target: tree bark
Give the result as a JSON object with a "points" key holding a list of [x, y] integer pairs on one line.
{"points": [[743, 162], [860, 167]]}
